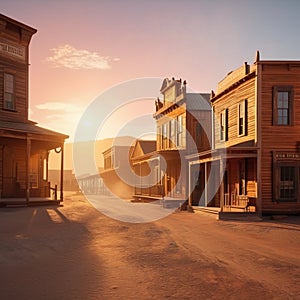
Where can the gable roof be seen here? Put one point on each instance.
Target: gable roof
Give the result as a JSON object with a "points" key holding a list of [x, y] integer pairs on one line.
{"points": [[143, 147]]}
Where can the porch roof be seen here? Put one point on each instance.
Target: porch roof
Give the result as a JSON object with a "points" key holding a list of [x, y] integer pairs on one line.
{"points": [[30, 128], [223, 153]]}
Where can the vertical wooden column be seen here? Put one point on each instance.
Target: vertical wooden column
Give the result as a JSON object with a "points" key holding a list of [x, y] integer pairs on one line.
{"points": [[206, 183], [258, 91], [221, 183], [190, 185], [62, 173], [28, 150]]}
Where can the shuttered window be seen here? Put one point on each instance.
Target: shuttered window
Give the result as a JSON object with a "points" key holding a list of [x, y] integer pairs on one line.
{"points": [[242, 118], [224, 125]]}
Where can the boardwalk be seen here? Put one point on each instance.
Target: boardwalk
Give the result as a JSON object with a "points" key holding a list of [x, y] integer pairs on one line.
{"points": [[74, 252]]}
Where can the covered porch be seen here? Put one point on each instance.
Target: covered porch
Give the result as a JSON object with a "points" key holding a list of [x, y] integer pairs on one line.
{"points": [[24, 152], [224, 182]]}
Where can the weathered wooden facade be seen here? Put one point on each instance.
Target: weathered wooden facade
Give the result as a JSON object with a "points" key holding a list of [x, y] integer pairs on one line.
{"points": [[146, 166], [179, 132], [117, 173], [24, 146], [256, 153]]}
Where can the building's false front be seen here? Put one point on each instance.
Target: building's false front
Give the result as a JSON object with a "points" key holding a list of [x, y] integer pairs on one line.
{"points": [[24, 146], [179, 132]]}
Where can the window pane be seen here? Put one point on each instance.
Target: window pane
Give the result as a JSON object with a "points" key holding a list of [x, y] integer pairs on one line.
{"points": [[8, 83], [287, 183], [283, 109]]}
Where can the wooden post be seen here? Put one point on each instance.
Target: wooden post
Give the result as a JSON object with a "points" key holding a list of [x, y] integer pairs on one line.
{"points": [[206, 183], [221, 174], [189, 186], [62, 173], [258, 136], [28, 150]]}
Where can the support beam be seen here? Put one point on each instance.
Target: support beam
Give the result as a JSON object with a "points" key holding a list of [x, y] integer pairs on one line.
{"points": [[28, 151], [62, 173], [206, 183], [221, 174]]}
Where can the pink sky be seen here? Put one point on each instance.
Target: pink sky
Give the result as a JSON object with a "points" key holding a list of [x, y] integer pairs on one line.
{"points": [[83, 48]]}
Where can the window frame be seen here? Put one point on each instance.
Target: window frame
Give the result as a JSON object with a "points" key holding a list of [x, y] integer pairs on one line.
{"points": [[242, 115], [172, 132], [278, 168], [224, 125], [9, 93], [290, 114], [179, 131], [164, 135]]}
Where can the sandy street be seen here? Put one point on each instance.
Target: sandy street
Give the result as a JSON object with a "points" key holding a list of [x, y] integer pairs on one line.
{"points": [[75, 252]]}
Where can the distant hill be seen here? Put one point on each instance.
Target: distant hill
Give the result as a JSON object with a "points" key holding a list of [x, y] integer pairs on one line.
{"points": [[100, 147]]}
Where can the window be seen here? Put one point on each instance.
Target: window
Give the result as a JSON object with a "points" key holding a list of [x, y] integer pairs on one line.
{"points": [[164, 136], [286, 182], [242, 118], [9, 92], [159, 138], [224, 125], [282, 105], [172, 133], [179, 139]]}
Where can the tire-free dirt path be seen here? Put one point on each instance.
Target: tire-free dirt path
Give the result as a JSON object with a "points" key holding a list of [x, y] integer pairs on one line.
{"points": [[75, 252]]}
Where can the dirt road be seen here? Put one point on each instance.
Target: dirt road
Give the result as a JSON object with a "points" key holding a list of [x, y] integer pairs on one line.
{"points": [[75, 252]]}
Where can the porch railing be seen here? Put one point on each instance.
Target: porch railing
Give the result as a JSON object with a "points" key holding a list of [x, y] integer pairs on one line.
{"points": [[238, 201], [149, 190]]}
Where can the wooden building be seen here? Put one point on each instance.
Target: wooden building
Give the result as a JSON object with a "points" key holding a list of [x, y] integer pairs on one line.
{"points": [[179, 132], [256, 154], [24, 146], [117, 172], [146, 167], [92, 185]]}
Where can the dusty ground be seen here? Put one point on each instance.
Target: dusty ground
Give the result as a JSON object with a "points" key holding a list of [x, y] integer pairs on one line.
{"points": [[75, 252]]}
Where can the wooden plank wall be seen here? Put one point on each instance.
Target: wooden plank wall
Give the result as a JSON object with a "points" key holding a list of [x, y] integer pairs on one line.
{"points": [[280, 138], [21, 75], [230, 101], [1, 170], [204, 119]]}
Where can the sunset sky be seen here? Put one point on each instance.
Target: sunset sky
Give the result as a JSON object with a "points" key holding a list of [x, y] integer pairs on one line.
{"points": [[83, 48]]}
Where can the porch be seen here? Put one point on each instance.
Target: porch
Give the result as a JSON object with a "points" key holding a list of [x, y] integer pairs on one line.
{"points": [[52, 197], [232, 213]]}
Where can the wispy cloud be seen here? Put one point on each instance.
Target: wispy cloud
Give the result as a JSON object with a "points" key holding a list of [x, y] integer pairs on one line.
{"points": [[59, 106], [69, 57]]}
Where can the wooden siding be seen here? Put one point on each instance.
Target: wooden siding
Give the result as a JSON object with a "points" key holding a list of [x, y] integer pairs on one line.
{"points": [[1, 169], [20, 72], [277, 138], [230, 101], [203, 139]]}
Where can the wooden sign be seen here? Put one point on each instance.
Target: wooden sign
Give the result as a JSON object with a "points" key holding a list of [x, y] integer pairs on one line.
{"points": [[11, 50], [287, 156]]}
